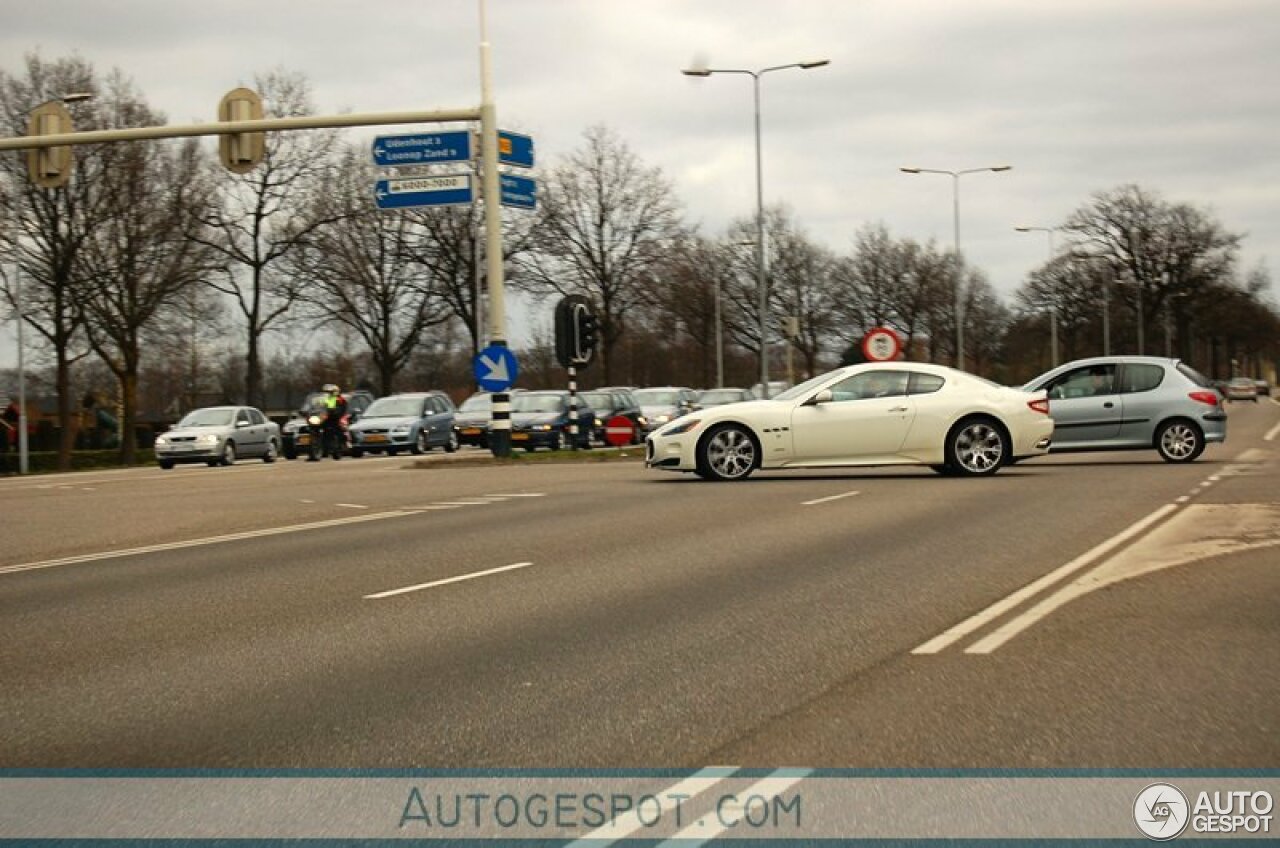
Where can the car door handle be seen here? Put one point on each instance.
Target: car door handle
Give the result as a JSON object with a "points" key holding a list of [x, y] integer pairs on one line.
{"points": [[1108, 405], [899, 409]]}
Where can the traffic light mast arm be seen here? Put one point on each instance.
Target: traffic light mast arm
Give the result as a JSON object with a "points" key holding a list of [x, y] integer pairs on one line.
{"points": [[306, 122]]}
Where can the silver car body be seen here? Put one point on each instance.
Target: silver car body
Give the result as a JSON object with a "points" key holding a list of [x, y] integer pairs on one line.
{"points": [[1125, 403], [219, 435]]}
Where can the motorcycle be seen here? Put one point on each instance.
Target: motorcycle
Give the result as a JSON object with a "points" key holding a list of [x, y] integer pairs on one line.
{"points": [[324, 440]]}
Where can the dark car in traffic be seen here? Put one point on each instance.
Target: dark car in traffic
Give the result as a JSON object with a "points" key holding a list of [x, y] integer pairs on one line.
{"points": [[608, 403], [541, 420]]}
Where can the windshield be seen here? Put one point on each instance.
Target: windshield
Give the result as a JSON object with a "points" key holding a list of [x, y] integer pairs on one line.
{"points": [[477, 403], [534, 402], [804, 388], [599, 401], [720, 396], [208, 418], [394, 407], [657, 397]]}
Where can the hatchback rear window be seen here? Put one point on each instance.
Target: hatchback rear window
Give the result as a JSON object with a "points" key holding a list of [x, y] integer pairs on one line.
{"points": [[1194, 376], [1140, 378]]}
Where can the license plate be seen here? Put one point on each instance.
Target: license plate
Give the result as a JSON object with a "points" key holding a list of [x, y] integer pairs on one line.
{"points": [[519, 437], [182, 448], [470, 431], [375, 437], [304, 439]]}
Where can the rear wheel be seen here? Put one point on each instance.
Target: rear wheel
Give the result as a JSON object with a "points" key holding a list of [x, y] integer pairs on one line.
{"points": [[272, 451], [976, 447], [166, 464], [1179, 441], [728, 452]]}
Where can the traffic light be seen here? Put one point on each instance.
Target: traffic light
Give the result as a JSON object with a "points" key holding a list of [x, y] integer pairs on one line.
{"points": [[588, 333], [577, 331], [49, 167], [241, 152]]}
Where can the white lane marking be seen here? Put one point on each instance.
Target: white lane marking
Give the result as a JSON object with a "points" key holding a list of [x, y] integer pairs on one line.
{"points": [[352, 506], [1274, 431], [446, 581], [999, 608], [209, 540], [519, 495], [306, 500], [829, 498], [1197, 533], [629, 822], [726, 817], [461, 503], [431, 506]]}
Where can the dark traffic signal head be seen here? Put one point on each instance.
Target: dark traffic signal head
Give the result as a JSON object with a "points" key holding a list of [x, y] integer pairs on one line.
{"points": [[577, 331]]}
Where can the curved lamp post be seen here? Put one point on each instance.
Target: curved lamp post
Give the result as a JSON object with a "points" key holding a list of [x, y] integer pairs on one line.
{"points": [[762, 280], [1053, 305], [955, 207]]}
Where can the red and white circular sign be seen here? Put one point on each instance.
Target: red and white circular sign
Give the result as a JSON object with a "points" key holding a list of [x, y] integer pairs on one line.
{"points": [[619, 430], [881, 344]]}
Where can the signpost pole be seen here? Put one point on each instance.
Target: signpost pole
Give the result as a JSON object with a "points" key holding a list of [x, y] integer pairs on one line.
{"points": [[500, 428], [573, 408]]}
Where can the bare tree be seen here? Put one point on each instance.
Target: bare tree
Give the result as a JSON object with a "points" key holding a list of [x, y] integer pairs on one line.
{"points": [[143, 255], [358, 272], [42, 230], [604, 229], [254, 225]]}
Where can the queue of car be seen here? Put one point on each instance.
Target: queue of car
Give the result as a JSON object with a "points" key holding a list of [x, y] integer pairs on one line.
{"points": [[886, 413]]}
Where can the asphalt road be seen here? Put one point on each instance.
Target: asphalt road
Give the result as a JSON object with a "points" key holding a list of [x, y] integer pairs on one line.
{"points": [[1100, 610]]}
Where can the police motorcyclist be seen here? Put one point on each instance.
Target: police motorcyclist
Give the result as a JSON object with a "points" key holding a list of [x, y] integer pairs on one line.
{"points": [[334, 408]]}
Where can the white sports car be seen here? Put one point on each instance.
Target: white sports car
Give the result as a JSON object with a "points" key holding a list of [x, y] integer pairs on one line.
{"points": [[879, 413]]}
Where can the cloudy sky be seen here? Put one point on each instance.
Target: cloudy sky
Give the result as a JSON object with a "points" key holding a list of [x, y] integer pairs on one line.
{"points": [[1079, 96]]}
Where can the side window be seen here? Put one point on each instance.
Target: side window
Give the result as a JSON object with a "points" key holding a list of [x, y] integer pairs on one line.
{"points": [[870, 384], [242, 417], [255, 417], [1141, 378], [1090, 381], [924, 384]]}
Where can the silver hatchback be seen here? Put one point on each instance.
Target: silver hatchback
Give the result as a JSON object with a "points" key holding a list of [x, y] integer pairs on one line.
{"points": [[1132, 403]]}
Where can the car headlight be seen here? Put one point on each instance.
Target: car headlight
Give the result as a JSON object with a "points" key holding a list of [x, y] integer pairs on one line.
{"points": [[314, 420], [682, 427], [400, 431], [542, 427], [663, 419], [161, 441], [207, 439]]}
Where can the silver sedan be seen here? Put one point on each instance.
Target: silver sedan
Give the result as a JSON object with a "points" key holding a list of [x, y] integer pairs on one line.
{"points": [[218, 435]]}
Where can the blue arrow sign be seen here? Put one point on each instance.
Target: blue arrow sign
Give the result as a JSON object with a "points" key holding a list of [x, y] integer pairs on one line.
{"points": [[515, 149], [520, 192], [390, 151], [422, 191], [496, 368]]}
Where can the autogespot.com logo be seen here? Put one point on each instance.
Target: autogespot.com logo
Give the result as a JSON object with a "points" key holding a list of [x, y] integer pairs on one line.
{"points": [[1161, 811]]}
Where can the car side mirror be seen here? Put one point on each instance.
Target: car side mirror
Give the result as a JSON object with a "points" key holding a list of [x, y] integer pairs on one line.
{"points": [[821, 397], [241, 424]]}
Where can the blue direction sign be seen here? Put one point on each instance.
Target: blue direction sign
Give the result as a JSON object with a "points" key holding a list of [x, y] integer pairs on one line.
{"points": [[515, 149], [520, 192], [423, 191], [496, 368], [391, 151]]}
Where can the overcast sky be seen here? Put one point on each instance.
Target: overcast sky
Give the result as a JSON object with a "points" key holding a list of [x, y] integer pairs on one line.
{"points": [[1079, 96]]}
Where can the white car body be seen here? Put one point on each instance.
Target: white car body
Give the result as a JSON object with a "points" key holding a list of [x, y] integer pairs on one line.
{"points": [[929, 417]]}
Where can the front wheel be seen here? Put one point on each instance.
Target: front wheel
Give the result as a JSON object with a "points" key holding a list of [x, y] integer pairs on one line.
{"points": [[228, 454], [976, 447], [451, 446], [728, 452], [1179, 441], [421, 444]]}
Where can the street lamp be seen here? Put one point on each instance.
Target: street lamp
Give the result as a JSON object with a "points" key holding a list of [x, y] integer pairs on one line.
{"points": [[760, 248], [23, 449], [1053, 303], [955, 206]]}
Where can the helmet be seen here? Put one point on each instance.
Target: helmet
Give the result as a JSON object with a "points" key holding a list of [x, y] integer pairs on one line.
{"points": [[331, 388]]}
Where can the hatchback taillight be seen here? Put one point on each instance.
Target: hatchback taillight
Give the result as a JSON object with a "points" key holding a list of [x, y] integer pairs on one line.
{"points": [[1041, 405], [1210, 398]]}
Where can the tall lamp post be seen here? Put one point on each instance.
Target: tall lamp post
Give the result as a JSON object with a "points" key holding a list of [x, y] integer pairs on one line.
{"points": [[955, 207], [1053, 305], [24, 453], [762, 280]]}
